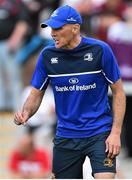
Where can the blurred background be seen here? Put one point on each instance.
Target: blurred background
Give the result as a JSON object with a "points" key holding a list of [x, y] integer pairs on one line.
{"points": [[26, 151]]}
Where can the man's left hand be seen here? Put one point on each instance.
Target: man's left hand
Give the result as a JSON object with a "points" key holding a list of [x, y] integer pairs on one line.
{"points": [[113, 145]]}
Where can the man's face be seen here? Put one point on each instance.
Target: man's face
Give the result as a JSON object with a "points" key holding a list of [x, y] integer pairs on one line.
{"points": [[64, 36]]}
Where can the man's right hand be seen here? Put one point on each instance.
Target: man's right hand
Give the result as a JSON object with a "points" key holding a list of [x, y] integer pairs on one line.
{"points": [[20, 118], [30, 107]]}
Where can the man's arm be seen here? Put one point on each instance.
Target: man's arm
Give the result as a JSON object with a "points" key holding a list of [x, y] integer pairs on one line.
{"points": [[30, 106], [113, 143], [17, 36]]}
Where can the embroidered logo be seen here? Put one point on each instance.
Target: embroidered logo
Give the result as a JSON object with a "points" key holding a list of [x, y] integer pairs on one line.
{"points": [[88, 57], [55, 13], [108, 162], [71, 19], [54, 60]]}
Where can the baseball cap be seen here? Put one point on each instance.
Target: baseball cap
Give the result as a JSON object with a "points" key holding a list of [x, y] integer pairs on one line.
{"points": [[61, 16]]}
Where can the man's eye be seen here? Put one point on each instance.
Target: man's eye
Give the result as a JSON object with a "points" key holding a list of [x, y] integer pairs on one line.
{"points": [[57, 29]]}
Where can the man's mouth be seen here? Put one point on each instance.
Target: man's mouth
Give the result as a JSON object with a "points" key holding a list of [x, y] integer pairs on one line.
{"points": [[56, 40]]}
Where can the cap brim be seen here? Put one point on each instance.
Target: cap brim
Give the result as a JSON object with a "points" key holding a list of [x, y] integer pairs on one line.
{"points": [[52, 23]]}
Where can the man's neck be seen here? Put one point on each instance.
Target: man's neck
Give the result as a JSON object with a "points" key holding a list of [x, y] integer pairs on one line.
{"points": [[75, 42]]}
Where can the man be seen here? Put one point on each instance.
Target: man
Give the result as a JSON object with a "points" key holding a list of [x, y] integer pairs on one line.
{"points": [[80, 70]]}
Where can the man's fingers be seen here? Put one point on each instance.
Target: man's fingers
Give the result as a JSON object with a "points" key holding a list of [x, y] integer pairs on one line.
{"points": [[16, 122], [109, 150], [113, 151], [116, 151], [24, 123], [19, 123], [18, 119], [107, 147]]}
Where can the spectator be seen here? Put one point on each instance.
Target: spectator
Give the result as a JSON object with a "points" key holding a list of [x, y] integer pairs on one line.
{"points": [[116, 7], [121, 30], [34, 40], [106, 14], [29, 162], [13, 27]]}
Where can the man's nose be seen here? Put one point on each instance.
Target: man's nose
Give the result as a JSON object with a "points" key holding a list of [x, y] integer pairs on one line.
{"points": [[53, 32]]}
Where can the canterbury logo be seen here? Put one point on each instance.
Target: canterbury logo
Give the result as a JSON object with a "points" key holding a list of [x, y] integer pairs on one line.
{"points": [[54, 60]]}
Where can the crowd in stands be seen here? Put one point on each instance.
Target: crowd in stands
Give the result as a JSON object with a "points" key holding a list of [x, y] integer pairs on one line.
{"points": [[21, 39]]}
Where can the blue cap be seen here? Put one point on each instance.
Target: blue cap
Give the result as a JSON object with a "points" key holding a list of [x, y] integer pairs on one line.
{"points": [[61, 16]]}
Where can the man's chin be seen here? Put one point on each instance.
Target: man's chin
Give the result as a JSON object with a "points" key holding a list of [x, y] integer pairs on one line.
{"points": [[58, 46]]}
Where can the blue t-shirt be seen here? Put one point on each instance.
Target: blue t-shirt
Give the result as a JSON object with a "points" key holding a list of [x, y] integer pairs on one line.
{"points": [[80, 78]]}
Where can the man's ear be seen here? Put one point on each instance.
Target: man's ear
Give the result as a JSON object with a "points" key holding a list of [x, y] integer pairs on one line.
{"points": [[76, 28]]}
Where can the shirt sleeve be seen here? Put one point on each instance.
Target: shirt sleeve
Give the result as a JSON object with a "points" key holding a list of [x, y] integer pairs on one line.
{"points": [[110, 66], [40, 78]]}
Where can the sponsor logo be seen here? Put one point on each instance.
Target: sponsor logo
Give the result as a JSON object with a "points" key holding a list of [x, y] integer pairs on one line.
{"points": [[54, 60], [88, 57], [75, 88], [73, 81]]}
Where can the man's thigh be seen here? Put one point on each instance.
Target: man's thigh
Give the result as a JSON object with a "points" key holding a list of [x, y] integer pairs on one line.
{"points": [[101, 165], [104, 175], [67, 164]]}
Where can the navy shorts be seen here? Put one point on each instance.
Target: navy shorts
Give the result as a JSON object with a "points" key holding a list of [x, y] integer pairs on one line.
{"points": [[69, 156]]}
